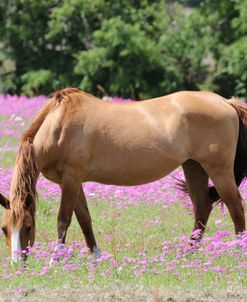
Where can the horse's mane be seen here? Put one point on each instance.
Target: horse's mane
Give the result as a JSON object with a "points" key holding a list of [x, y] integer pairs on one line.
{"points": [[72, 95], [59, 95], [25, 176], [23, 185]]}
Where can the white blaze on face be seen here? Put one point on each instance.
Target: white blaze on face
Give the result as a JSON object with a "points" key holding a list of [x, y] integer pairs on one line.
{"points": [[15, 244]]}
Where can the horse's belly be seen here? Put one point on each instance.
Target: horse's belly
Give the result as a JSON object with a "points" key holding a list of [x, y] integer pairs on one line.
{"points": [[127, 173]]}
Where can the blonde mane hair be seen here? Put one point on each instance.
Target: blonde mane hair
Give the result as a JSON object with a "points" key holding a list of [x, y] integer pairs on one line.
{"points": [[23, 184], [25, 175]]}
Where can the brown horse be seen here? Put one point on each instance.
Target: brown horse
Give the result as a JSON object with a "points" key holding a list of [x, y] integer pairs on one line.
{"points": [[77, 138]]}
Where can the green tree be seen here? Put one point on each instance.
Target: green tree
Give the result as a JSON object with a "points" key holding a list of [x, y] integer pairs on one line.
{"points": [[23, 28], [144, 59], [228, 28], [234, 58], [125, 61], [131, 48]]}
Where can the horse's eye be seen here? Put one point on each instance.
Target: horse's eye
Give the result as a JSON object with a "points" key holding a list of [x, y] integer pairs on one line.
{"points": [[28, 229], [4, 229]]}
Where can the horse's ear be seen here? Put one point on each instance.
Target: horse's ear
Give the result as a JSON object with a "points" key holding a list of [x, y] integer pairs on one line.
{"points": [[4, 202], [28, 200]]}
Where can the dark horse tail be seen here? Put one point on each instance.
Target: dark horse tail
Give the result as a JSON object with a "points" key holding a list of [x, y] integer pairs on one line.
{"points": [[240, 163]]}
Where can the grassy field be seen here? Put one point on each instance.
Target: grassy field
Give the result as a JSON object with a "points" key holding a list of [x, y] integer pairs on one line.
{"points": [[143, 234]]}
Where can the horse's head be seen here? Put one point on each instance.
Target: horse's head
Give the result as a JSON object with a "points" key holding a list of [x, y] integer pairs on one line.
{"points": [[18, 225]]}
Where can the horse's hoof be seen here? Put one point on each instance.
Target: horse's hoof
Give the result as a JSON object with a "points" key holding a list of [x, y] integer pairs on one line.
{"points": [[55, 258], [96, 252], [54, 261]]}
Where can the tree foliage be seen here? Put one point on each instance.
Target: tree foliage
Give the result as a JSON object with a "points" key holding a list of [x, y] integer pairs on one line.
{"points": [[135, 49]]}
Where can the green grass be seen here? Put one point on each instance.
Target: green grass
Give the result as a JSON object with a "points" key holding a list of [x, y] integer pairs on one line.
{"points": [[128, 228]]}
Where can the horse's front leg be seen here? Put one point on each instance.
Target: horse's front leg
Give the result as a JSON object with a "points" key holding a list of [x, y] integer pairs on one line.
{"points": [[85, 222], [70, 195]]}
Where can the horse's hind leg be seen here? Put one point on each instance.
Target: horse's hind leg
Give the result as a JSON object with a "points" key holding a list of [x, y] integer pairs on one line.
{"points": [[197, 185], [85, 222], [225, 184]]}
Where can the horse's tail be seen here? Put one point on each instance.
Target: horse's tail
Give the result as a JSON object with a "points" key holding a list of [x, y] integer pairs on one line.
{"points": [[240, 162]]}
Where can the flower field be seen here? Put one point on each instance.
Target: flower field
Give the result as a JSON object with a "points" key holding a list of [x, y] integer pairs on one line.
{"points": [[143, 231]]}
